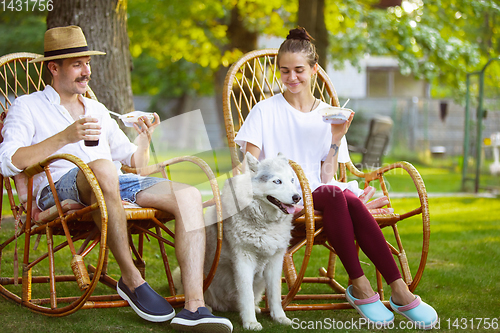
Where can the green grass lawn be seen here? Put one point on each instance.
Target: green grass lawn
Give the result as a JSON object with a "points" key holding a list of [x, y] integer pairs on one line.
{"points": [[461, 278]]}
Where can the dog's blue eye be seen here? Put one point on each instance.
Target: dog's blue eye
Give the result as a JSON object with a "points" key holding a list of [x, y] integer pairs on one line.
{"points": [[293, 180], [277, 181]]}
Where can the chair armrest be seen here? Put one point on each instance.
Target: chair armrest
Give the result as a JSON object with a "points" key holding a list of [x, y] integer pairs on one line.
{"points": [[43, 166], [379, 173], [160, 167]]}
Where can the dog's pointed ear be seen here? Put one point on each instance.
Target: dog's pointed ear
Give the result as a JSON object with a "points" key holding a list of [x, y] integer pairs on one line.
{"points": [[252, 164], [281, 155]]}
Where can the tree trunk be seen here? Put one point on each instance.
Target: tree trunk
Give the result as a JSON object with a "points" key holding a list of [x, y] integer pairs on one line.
{"points": [[388, 3], [239, 38], [312, 17], [104, 24]]}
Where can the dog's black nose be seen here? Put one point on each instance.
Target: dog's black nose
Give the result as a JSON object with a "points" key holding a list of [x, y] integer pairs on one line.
{"points": [[296, 198]]}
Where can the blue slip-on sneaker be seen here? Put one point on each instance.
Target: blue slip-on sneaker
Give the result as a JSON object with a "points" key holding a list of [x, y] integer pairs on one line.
{"points": [[146, 302], [201, 321], [372, 309], [420, 313]]}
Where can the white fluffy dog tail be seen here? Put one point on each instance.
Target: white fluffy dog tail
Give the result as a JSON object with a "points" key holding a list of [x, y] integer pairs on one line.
{"points": [[176, 276]]}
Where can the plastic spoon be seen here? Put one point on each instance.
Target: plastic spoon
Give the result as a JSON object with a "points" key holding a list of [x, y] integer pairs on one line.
{"points": [[115, 113]]}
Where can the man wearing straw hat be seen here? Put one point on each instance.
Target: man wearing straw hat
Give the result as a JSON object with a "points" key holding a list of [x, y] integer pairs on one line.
{"points": [[58, 120]]}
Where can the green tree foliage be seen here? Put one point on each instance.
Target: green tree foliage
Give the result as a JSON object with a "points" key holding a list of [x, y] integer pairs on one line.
{"points": [[176, 45], [21, 31], [433, 39], [179, 43]]}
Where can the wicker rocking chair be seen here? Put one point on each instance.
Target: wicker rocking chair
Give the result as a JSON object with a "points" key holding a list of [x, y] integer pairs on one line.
{"points": [[254, 78], [71, 236]]}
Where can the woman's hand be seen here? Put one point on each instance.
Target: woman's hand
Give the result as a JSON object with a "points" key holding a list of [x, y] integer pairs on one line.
{"points": [[339, 130]]}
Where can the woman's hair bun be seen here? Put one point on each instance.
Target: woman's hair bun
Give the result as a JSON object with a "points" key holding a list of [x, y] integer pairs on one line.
{"points": [[300, 34], [299, 41]]}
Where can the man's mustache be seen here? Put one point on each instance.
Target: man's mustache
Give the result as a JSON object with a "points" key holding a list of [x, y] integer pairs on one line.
{"points": [[83, 78]]}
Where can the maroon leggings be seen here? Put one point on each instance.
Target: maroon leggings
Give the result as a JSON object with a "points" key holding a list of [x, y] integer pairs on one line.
{"points": [[346, 218]]}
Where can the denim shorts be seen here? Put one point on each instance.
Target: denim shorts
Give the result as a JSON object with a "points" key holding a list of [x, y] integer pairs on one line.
{"points": [[130, 185]]}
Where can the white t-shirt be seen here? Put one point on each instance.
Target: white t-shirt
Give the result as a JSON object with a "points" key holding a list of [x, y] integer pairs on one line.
{"points": [[275, 126], [38, 116]]}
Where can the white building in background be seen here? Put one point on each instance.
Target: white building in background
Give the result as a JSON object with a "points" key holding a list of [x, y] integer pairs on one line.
{"points": [[350, 82], [376, 77]]}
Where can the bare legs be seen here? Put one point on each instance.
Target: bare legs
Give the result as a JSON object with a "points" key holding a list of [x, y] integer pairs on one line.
{"points": [[183, 201], [106, 174], [400, 293]]}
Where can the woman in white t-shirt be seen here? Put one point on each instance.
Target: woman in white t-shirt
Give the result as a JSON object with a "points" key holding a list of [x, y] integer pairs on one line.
{"points": [[290, 123]]}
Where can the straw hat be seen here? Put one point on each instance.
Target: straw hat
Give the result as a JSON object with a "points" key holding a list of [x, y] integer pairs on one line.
{"points": [[65, 42]]}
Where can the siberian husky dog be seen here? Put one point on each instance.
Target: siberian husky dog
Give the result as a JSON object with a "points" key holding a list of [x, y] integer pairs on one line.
{"points": [[258, 207]]}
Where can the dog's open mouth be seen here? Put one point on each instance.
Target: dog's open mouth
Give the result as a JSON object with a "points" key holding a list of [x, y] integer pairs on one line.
{"points": [[285, 208]]}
